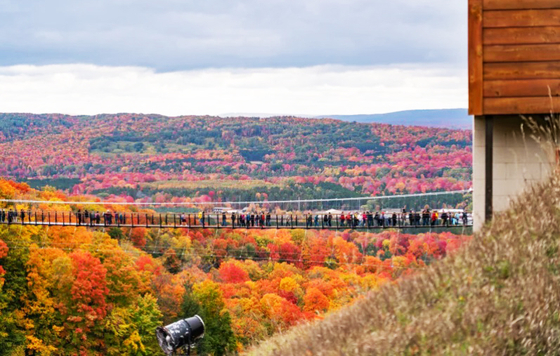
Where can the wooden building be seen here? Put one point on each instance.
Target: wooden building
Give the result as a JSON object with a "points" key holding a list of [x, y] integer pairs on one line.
{"points": [[514, 70]]}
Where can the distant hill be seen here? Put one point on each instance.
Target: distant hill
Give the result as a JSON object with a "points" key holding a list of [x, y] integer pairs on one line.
{"points": [[231, 159], [448, 118]]}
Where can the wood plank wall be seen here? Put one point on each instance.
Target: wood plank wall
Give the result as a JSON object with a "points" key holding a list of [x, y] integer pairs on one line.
{"points": [[514, 57]]}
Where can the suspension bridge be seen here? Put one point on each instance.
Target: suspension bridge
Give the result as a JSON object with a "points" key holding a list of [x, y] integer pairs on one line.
{"points": [[234, 219]]}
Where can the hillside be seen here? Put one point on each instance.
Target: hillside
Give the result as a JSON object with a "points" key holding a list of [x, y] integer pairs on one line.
{"points": [[87, 291], [156, 157], [498, 296]]}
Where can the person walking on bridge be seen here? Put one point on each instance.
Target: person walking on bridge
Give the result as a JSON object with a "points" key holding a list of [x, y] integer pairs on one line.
{"points": [[444, 218], [426, 217], [108, 218], [369, 216], [434, 218]]}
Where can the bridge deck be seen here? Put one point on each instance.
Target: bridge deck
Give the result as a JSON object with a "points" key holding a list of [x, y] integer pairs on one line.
{"points": [[206, 226], [177, 221]]}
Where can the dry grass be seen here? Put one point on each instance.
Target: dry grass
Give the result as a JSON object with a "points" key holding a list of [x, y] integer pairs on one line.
{"points": [[500, 295]]}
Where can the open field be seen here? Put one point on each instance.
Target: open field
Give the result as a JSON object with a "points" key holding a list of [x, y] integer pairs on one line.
{"points": [[211, 184]]}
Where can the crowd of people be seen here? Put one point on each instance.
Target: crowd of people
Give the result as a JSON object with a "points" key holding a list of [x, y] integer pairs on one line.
{"points": [[366, 219], [369, 219], [11, 215]]}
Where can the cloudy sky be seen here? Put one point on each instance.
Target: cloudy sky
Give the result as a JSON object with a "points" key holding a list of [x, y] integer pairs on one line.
{"points": [[174, 57]]}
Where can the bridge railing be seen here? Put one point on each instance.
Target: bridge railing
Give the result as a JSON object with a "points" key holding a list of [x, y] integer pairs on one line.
{"points": [[218, 221]]}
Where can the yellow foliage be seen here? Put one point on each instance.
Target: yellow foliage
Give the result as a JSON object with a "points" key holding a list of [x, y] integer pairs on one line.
{"points": [[282, 270], [134, 342], [7, 191], [39, 347], [263, 241], [399, 261], [298, 235], [371, 281], [253, 269], [288, 284]]}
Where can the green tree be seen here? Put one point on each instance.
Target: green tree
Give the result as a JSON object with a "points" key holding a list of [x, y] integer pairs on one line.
{"points": [[115, 233], [206, 300], [138, 146], [13, 293]]}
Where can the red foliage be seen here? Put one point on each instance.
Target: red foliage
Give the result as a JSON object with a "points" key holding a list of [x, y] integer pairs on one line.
{"points": [[3, 253], [291, 253], [138, 236], [147, 263], [232, 273], [89, 289], [3, 249]]}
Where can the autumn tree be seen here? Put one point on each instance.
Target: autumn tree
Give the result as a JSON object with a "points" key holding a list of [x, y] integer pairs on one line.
{"points": [[315, 301], [130, 329], [205, 299], [13, 292], [87, 306], [231, 272]]}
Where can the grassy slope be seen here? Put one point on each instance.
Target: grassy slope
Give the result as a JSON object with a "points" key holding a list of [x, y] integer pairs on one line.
{"points": [[498, 296]]}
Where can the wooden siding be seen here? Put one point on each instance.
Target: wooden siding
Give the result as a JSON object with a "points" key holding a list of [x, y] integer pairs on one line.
{"points": [[514, 57], [475, 58], [520, 4]]}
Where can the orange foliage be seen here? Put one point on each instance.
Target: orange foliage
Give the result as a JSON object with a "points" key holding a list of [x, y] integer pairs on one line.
{"points": [[138, 236], [315, 301]]}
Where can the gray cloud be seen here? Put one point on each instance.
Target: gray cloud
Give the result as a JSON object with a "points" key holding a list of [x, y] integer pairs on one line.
{"points": [[190, 34]]}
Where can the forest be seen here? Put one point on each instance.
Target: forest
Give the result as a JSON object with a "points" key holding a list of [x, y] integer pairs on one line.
{"points": [[196, 158], [103, 292]]}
